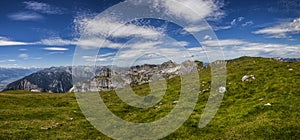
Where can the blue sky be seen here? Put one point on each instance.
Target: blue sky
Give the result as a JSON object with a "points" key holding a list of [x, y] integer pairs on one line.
{"points": [[46, 33]]}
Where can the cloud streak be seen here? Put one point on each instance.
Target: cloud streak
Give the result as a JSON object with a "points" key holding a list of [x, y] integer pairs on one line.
{"points": [[25, 16], [7, 42], [234, 48], [110, 27], [55, 49], [283, 30], [199, 9], [42, 7]]}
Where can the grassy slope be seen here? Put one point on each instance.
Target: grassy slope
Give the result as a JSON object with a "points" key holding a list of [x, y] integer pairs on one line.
{"points": [[241, 115]]}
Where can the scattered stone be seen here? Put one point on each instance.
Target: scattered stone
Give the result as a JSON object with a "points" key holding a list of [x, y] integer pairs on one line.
{"points": [[35, 90], [222, 90], [175, 102], [160, 103], [71, 119], [158, 107], [45, 128], [291, 69], [247, 77], [261, 99], [268, 104], [205, 90]]}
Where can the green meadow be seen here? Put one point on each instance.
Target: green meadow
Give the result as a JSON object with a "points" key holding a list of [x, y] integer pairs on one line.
{"points": [[243, 114]]}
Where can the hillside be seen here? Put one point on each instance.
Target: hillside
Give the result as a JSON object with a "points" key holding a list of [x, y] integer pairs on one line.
{"points": [[265, 108], [48, 80], [8, 75]]}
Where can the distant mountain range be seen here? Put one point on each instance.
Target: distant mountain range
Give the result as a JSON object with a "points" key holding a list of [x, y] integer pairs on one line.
{"points": [[289, 59], [54, 79], [59, 79], [8, 75]]}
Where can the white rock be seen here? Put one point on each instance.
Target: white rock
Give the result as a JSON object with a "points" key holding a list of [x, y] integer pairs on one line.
{"points": [[268, 104], [222, 89], [175, 102], [44, 128], [246, 77]]}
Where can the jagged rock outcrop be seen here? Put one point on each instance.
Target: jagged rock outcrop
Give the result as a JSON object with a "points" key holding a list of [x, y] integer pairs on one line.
{"points": [[110, 79]]}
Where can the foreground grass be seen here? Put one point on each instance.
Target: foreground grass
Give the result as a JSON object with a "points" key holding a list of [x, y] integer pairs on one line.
{"points": [[242, 115]]}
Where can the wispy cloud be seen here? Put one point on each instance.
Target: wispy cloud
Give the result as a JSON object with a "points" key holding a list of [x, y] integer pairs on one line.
{"points": [[22, 49], [114, 28], [282, 30], [237, 22], [248, 23], [25, 16], [9, 60], [234, 48], [193, 29], [216, 28], [56, 49], [7, 42], [42, 7], [24, 56], [56, 42], [205, 9]]}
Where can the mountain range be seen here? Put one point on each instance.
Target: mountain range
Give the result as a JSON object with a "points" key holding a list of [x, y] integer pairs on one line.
{"points": [[8, 75], [99, 78], [59, 79]]}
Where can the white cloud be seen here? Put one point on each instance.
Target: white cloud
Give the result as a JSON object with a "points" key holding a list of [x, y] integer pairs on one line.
{"points": [[91, 43], [216, 28], [241, 19], [25, 16], [42, 7], [233, 22], [106, 55], [7, 42], [248, 23], [53, 53], [193, 29], [234, 48], [56, 42], [11, 60], [194, 10], [116, 29], [228, 42], [180, 44], [22, 49], [55, 49], [23, 56], [96, 59], [37, 58], [207, 37], [283, 30]]}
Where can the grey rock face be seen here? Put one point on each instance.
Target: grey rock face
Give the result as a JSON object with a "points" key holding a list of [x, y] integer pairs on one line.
{"points": [[110, 79]]}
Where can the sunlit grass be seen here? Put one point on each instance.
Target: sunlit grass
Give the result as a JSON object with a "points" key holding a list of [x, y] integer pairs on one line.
{"points": [[242, 115]]}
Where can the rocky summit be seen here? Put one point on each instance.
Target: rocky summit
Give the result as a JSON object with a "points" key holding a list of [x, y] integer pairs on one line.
{"points": [[111, 78]]}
